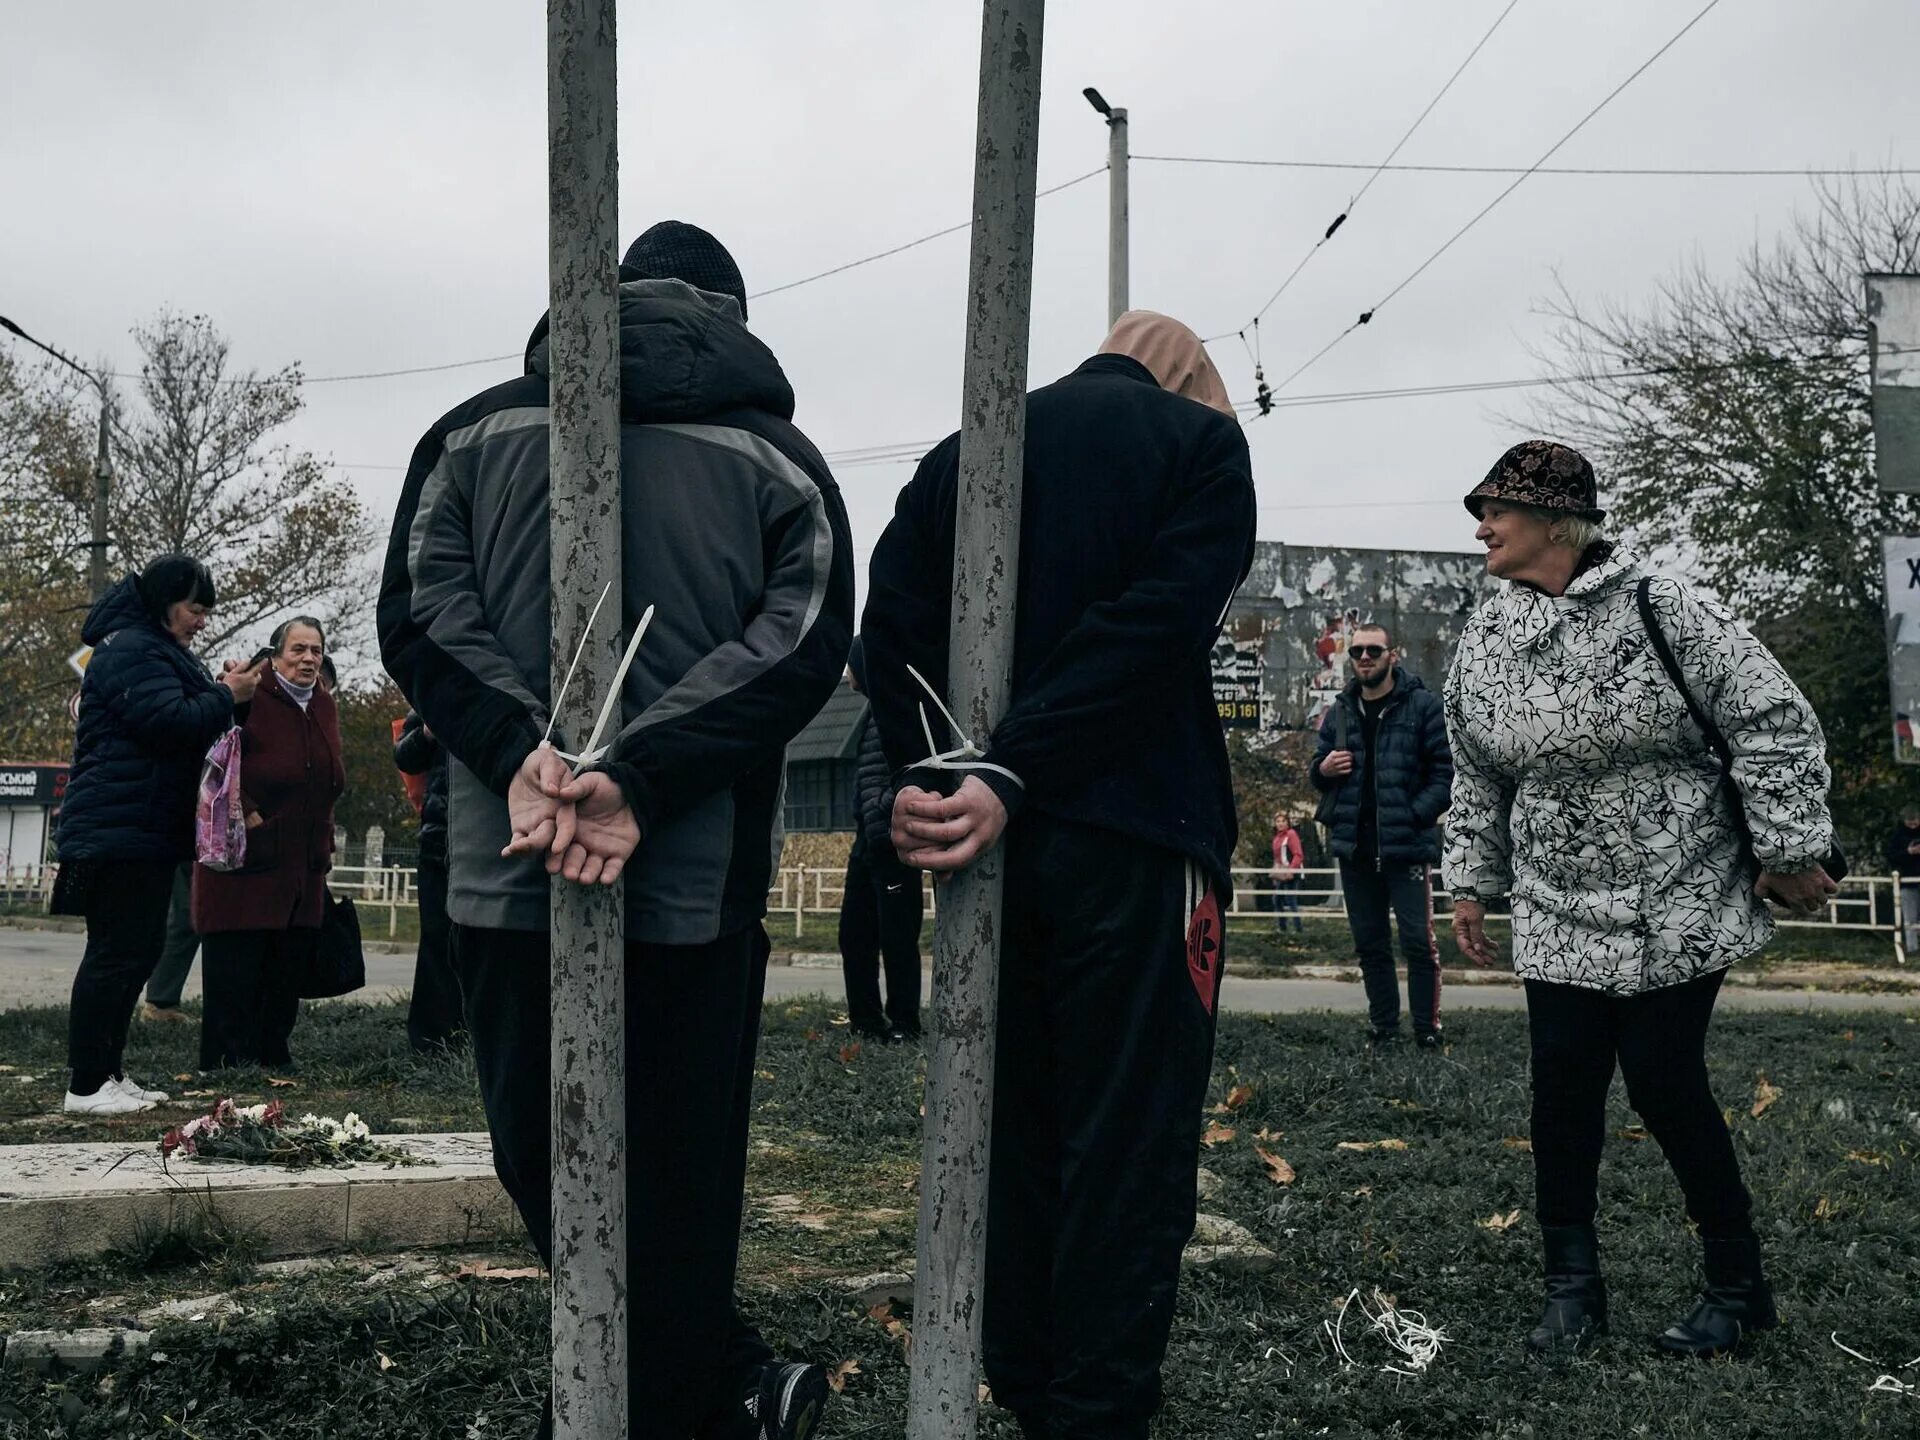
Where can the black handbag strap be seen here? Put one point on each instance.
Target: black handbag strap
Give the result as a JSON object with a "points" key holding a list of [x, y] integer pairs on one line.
{"points": [[1716, 742], [1340, 723]]}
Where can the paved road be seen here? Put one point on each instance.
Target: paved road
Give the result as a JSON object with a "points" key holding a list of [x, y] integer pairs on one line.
{"points": [[36, 968]]}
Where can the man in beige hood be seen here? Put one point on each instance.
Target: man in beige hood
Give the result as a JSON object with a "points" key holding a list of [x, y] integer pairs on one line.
{"points": [[1108, 777]]}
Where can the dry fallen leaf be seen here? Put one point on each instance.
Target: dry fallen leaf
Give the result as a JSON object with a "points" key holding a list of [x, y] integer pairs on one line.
{"points": [[1765, 1092], [1371, 1145], [1517, 1142], [1263, 1133], [1824, 1210], [848, 1052], [1217, 1134], [277, 1083], [1404, 1105], [763, 1075], [1363, 1192], [1278, 1170], [183, 1079], [1499, 1223], [1846, 1035], [485, 1270], [882, 1314], [1866, 1157], [385, 1362], [813, 1034], [1633, 1132], [1238, 1096], [838, 1376]]}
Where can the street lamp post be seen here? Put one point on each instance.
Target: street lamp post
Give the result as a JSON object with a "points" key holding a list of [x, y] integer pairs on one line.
{"points": [[102, 460], [1117, 258]]}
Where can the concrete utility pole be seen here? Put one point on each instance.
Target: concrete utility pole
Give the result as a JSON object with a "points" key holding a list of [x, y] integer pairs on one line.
{"points": [[588, 937], [102, 461], [1117, 261], [944, 1397]]}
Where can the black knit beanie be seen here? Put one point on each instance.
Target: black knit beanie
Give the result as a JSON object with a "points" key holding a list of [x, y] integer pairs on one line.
{"points": [[168, 580], [675, 250]]}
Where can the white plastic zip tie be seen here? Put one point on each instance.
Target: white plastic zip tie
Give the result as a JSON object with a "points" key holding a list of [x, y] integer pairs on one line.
{"points": [[967, 756], [1408, 1332], [574, 664], [594, 751], [1405, 1331], [1884, 1384]]}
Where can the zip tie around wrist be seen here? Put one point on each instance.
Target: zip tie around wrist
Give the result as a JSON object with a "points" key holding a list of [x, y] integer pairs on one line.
{"points": [[967, 756], [594, 752]]}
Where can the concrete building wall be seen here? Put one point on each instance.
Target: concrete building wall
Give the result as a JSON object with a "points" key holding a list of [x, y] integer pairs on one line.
{"points": [[1290, 623]]}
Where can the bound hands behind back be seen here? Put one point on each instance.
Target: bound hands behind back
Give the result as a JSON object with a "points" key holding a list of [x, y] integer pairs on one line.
{"points": [[584, 827]]}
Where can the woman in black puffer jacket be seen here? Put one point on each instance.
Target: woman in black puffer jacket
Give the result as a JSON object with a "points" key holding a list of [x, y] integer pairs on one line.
{"points": [[149, 710]]}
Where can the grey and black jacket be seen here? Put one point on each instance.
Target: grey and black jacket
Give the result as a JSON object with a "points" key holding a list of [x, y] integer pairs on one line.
{"points": [[732, 527]]}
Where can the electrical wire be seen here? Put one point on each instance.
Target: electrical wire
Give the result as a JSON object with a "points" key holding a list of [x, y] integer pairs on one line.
{"points": [[1366, 316], [1811, 171], [751, 295], [1399, 145]]}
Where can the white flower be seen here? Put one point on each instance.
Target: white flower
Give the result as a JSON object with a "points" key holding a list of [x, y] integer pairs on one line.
{"points": [[355, 1127], [254, 1112]]}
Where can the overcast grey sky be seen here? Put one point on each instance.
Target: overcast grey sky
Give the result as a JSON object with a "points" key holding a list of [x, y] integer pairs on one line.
{"points": [[361, 186]]}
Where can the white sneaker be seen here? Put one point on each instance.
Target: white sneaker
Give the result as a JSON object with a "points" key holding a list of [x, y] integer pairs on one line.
{"points": [[109, 1099], [127, 1087]]}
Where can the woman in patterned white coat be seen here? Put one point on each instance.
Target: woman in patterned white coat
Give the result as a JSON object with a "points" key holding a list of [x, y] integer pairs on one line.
{"points": [[1586, 794]]}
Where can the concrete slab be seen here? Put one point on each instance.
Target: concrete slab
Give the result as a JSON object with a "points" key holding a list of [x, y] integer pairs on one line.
{"points": [[60, 1201]]}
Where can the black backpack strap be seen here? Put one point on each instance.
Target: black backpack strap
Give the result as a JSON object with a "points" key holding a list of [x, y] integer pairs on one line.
{"points": [[1643, 597]]}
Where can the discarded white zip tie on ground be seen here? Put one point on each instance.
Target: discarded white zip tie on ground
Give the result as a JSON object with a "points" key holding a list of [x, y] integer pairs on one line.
{"points": [[1886, 1384], [593, 751], [967, 756], [1405, 1331]]}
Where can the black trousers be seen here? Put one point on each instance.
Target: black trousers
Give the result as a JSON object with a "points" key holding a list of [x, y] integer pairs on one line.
{"points": [[1109, 979], [169, 977], [434, 1014], [247, 982], [1404, 890], [1658, 1038], [880, 909], [126, 925], [693, 1022]]}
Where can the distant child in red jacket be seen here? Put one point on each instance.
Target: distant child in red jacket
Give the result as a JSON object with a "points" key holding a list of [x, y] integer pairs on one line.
{"points": [[1289, 859]]}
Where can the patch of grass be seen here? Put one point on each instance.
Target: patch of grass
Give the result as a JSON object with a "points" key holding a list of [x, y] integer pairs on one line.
{"points": [[1832, 1163], [351, 1057]]}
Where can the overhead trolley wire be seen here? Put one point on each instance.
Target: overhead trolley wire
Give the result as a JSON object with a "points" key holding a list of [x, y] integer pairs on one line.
{"points": [[1806, 172], [1399, 145], [1366, 316]]}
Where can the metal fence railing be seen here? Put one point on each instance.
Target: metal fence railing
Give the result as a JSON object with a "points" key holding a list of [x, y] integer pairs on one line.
{"points": [[1865, 904]]}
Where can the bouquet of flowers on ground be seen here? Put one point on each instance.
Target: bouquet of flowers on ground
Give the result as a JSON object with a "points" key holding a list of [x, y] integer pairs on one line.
{"points": [[266, 1135]]}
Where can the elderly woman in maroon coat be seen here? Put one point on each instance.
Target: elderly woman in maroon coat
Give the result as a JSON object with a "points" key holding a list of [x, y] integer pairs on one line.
{"points": [[260, 924]]}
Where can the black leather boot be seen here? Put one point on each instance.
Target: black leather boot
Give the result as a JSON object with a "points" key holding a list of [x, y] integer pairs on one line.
{"points": [[1576, 1313], [1735, 1302]]}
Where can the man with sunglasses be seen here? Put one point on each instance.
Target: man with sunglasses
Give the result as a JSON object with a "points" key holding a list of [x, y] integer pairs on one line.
{"points": [[1383, 757]]}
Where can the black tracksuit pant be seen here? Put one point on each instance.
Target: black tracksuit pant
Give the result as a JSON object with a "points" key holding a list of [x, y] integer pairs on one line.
{"points": [[434, 1014], [126, 926], [1109, 976], [1402, 889], [880, 908], [693, 1021], [1658, 1038]]}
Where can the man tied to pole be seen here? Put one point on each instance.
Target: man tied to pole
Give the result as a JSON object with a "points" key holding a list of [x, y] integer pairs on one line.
{"points": [[734, 533], [1106, 781]]}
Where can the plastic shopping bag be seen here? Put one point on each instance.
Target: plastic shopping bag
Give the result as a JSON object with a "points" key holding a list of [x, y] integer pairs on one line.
{"points": [[220, 820]]}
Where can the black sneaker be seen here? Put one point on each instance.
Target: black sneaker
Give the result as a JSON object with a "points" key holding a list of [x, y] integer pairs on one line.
{"points": [[1383, 1039], [788, 1403], [1428, 1040]]}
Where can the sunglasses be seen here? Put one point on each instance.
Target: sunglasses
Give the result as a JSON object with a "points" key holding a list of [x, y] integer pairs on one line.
{"points": [[1366, 652]]}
